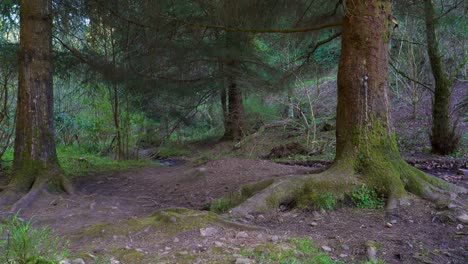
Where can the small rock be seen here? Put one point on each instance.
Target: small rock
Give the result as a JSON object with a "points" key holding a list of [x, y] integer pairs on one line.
{"points": [[173, 219], [274, 238], [242, 234], [327, 248], [343, 255], [243, 261], [219, 244], [201, 169], [283, 208], [139, 249], [345, 247], [207, 232], [388, 225], [463, 218], [393, 222], [183, 252], [250, 217], [313, 224], [65, 261], [167, 248], [114, 261], [371, 250], [261, 218], [78, 261], [316, 215], [176, 240], [459, 227], [463, 172]]}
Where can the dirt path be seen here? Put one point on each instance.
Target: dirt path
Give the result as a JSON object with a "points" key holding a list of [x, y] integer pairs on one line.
{"points": [[416, 236], [118, 196]]}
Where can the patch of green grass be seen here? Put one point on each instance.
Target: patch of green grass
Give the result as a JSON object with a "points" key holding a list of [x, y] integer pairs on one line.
{"points": [[297, 251], [324, 200], [222, 205], [76, 161], [172, 150], [366, 197], [21, 243]]}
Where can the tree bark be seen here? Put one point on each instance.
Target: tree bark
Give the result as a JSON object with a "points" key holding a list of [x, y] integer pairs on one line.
{"points": [[235, 122], [35, 161], [366, 148], [443, 138]]}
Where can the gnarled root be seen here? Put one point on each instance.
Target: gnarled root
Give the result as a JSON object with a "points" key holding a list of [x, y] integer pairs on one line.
{"points": [[393, 179], [20, 200]]}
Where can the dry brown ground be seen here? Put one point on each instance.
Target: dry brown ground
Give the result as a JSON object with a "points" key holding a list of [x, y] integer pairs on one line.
{"points": [[121, 196]]}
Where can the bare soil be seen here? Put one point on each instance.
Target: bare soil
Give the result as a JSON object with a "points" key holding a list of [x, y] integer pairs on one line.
{"points": [[416, 235]]}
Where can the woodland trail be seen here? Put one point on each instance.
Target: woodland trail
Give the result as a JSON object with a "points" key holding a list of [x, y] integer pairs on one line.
{"points": [[114, 198]]}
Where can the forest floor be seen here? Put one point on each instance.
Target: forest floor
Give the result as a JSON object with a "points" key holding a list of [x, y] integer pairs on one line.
{"points": [[134, 216], [116, 215]]}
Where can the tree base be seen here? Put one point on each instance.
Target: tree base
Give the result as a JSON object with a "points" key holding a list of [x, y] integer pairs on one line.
{"points": [[341, 179], [12, 195]]}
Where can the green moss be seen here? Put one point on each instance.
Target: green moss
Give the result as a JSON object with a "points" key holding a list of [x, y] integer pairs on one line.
{"points": [[127, 255], [231, 200], [168, 221]]}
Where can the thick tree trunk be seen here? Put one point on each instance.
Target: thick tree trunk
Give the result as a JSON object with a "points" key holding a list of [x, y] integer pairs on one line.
{"points": [[443, 138], [35, 160], [366, 147]]}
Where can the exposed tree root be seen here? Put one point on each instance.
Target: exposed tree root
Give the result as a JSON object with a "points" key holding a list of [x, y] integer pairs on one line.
{"points": [[12, 195], [394, 181]]}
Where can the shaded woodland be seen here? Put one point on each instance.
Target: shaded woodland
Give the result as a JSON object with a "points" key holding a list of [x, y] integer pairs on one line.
{"points": [[241, 109]]}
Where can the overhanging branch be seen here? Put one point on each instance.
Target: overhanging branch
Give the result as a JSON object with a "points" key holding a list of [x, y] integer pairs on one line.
{"points": [[271, 30]]}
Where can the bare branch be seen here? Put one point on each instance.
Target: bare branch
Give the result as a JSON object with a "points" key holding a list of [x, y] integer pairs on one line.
{"points": [[427, 86]]}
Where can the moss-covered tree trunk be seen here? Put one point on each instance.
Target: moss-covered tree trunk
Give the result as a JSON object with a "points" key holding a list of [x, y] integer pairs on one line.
{"points": [[366, 148], [35, 161], [443, 138]]}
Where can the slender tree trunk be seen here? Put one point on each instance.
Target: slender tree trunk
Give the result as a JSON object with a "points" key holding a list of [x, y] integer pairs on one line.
{"points": [[443, 139], [35, 160], [235, 123]]}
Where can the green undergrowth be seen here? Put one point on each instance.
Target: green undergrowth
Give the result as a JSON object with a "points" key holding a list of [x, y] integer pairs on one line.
{"points": [[223, 204], [21, 243], [297, 250], [75, 161], [366, 197], [326, 194], [172, 150]]}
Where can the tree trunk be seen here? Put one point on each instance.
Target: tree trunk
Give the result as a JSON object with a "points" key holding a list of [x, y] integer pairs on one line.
{"points": [[443, 138], [234, 124], [235, 121], [366, 147], [35, 159]]}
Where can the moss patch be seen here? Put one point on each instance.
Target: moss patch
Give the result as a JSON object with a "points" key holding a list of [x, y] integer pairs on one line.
{"points": [[169, 221], [231, 200]]}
